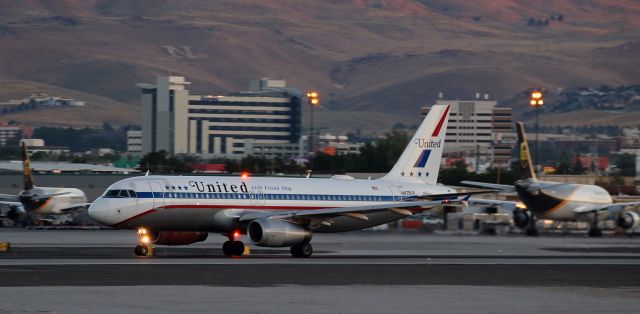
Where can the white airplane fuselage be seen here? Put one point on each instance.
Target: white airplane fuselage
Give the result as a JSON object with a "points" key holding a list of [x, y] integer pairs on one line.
{"points": [[561, 202], [61, 199], [213, 203]]}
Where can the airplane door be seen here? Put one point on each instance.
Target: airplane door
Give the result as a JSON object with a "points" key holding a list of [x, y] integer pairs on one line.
{"points": [[158, 195], [395, 191]]}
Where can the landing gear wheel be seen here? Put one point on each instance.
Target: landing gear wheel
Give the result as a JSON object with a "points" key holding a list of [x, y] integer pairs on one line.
{"points": [[233, 248], [595, 232], [142, 250], [238, 248], [302, 250], [227, 248], [531, 230]]}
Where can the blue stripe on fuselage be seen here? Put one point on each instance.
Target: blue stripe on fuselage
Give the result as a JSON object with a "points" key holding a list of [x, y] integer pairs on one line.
{"points": [[288, 197]]}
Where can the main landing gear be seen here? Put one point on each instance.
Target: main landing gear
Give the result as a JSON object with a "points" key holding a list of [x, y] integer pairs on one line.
{"points": [[531, 230], [302, 250], [144, 247], [233, 247], [595, 230]]}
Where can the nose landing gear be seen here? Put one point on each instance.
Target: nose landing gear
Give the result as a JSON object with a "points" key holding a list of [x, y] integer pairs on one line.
{"points": [[144, 247]]}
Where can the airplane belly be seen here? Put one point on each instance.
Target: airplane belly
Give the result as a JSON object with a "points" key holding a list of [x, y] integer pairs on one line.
{"points": [[344, 223], [185, 219], [562, 212]]}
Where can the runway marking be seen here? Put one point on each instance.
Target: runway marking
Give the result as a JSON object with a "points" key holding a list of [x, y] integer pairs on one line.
{"points": [[317, 261]]}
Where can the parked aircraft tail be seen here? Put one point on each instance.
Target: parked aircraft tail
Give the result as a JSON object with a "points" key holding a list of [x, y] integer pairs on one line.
{"points": [[420, 160], [26, 169], [526, 165]]}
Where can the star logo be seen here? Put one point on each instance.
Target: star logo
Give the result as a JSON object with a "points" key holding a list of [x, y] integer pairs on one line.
{"points": [[411, 174], [402, 173], [419, 174], [173, 187]]}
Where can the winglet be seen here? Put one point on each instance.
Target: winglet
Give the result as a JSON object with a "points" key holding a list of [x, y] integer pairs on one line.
{"points": [[146, 173]]}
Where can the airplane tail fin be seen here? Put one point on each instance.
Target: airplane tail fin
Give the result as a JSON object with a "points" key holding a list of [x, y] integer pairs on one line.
{"points": [[26, 169], [526, 165], [420, 160]]}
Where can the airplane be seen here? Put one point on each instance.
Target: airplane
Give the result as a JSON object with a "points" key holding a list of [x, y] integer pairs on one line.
{"points": [[556, 200], [277, 212], [40, 200]]}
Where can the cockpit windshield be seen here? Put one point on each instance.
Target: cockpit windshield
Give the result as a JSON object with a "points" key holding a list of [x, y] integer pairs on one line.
{"points": [[120, 194]]}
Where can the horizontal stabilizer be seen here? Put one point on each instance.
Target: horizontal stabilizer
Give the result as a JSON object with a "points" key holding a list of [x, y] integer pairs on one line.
{"points": [[501, 187]]}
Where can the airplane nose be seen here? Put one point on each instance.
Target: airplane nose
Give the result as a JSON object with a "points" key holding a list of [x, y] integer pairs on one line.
{"points": [[98, 210]]}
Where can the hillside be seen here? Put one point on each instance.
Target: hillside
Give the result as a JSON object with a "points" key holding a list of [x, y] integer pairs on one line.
{"points": [[375, 58]]}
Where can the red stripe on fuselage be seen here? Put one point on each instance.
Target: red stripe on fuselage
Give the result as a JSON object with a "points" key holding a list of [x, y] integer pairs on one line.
{"points": [[436, 132]]}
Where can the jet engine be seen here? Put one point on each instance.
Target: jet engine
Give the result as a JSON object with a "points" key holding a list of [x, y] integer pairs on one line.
{"points": [[628, 220], [16, 213], [178, 237], [277, 233], [521, 218]]}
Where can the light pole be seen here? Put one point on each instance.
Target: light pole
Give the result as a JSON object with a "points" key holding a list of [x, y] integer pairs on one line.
{"points": [[312, 97], [535, 99]]}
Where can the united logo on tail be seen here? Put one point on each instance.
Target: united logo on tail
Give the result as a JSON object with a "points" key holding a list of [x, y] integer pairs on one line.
{"points": [[420, 160]]}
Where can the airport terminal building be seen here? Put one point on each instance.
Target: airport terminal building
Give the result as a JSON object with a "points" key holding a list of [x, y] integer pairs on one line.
{"points": [[266, 118]]}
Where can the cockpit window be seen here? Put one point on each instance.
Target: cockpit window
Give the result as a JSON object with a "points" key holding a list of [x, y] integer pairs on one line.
{"points": [[120, 194], [112, 193]]}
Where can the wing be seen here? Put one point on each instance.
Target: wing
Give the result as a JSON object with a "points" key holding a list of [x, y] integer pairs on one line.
{"points": [[449, 196], [612, 209], [74, 207], [9, 198], [45, 196], [500, 187], [510, 205], [354, 211]]}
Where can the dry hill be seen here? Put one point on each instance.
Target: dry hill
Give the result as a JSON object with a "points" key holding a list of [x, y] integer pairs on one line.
{"points": [[378, 58]]}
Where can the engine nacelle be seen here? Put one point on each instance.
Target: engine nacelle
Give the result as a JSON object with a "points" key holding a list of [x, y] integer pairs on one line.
{"points": [[521, 218], [628, 220], [16, 213], [178, 237], [277, 233]]}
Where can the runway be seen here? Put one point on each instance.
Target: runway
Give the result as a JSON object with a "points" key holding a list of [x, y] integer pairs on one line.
{"points": [[377, 272]]}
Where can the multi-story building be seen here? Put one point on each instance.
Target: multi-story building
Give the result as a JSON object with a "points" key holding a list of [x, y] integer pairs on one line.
{"points": [[479, 131], [13, 132], [134, 142], [267, 116]]}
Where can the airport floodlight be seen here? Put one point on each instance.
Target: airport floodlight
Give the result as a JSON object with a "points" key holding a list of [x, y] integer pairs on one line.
{"points": [[536, 95], [535, 98], [313, 98]]}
